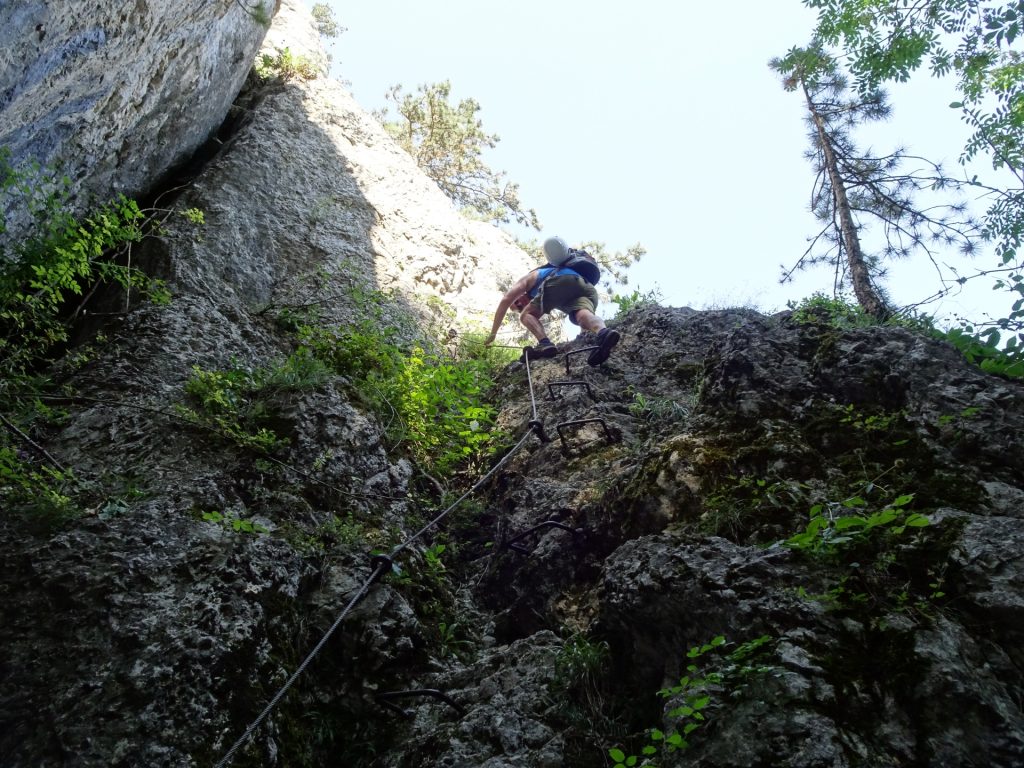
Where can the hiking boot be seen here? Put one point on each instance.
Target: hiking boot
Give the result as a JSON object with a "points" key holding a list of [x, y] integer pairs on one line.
{"points": [[606, 341], [541, 351]]}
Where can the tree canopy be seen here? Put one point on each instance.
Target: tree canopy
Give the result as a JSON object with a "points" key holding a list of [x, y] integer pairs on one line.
{"points": [[973, 40], [858, 192], [447, 141]]}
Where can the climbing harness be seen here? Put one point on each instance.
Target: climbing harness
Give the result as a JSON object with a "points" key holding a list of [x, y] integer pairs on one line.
{"points": [[382, 564]]}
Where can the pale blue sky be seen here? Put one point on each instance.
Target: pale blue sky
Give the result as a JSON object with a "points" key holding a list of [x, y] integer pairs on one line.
{"points": [[650, 121]]}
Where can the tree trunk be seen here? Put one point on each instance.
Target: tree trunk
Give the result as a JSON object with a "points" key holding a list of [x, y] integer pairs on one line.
{"points": [[867, 296]]}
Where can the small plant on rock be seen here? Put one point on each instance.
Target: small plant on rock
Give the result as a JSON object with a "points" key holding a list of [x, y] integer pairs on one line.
{"points": [[835, 525], [691, 698]]}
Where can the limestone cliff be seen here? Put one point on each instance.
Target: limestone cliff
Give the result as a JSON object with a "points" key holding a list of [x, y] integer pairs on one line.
{"points": [[146, 631], [115, 94]]}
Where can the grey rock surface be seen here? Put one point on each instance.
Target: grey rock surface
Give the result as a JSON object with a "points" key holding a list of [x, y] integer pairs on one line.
{"points": [[115, 94], [149, 631]]}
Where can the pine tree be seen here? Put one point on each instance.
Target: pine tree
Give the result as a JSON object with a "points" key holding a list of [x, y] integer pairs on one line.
{"points": [[853, 188], [977, 41], [447, 142]]}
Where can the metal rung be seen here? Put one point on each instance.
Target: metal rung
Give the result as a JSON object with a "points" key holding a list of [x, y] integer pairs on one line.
{"points": [[553, 384], [382, 699], [565, 444], [511, 543], [576, 352]]}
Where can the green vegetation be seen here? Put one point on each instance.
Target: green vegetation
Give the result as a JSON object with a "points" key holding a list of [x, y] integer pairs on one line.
{"points": [[233, 522], [839, 312], [836, 524], [831, 310], [48, 282], [983, 348], [441, 405], [431, 404], [690, 700], [636, 300], [657, 408], [286, 66], [580, 669], [236, 403], [742, 502], [889, 41], [42, 487], [326, 24]]}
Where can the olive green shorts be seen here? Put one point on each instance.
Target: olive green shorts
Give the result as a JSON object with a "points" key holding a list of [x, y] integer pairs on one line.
{"points": [[568, 293]]}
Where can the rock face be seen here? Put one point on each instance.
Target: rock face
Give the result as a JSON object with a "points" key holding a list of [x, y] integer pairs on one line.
{"points": [[114, 94], [653, 534]]}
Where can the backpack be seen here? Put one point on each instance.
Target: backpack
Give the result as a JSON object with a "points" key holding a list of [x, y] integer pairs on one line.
{"points": [[581, 262]]}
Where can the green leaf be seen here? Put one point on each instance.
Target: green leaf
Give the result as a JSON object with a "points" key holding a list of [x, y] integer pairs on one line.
{"points": [[616, 754], [884, 517]]}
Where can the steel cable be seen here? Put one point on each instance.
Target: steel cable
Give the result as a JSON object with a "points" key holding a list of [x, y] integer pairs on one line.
{"points": [[378, 571], [244, 738]]}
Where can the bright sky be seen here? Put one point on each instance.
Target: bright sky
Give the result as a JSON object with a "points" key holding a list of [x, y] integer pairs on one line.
{"points": [[652, 121]]}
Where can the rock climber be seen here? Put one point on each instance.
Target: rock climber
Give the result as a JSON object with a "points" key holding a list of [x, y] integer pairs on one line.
{"points": [[566, 283]]}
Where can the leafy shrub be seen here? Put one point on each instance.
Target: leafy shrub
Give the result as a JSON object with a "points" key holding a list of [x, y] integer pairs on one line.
{"points": [[233, 522], [64, 258], [360, 352], [838, 524], [636, 300], [25, 482], [431, 404], [691, 698], [441, 404], [831, 310], [840, 312], [235, 402], [286, 66], [46, 280], [983, 350]]}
